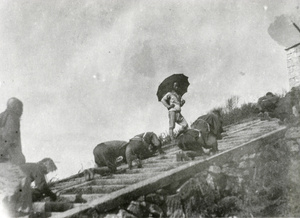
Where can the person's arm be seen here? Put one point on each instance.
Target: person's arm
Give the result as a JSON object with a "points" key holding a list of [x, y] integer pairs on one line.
{"points": [[41, 184], [259, 102], [211, 120], [11, 132], [217, 129], [275, 99], [182, 102], [165, 102], [50, 194], [129, 156]]}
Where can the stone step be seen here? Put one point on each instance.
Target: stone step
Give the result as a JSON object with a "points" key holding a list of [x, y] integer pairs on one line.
{"points": [[87, 197], [100, 189], [124, 181]]}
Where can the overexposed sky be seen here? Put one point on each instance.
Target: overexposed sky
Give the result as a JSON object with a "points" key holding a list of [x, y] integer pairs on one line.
{"points": [[88, 71]]}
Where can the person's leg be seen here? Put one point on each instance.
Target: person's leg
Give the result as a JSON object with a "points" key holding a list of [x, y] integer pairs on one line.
{"points": [[212, 143], [110, 159], [157, 144], [193, 154], [182, 122], [130, 155], [171, 124], [98, 155]]}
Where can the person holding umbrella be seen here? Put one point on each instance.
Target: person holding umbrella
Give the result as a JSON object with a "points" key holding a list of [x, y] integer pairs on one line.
{"points": [[170, 94]]}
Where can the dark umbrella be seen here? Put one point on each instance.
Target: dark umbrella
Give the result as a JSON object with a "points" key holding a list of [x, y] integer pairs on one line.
{"points": [[167, 85]]}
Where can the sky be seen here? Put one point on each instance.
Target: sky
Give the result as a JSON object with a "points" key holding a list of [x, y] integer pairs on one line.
{"points": [[88, 71]]}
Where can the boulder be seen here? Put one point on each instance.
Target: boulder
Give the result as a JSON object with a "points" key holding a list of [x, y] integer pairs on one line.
{"points": [[154, 210], [124, 214], [162, 192], [251, 163], [228, 206], [243, 165], [252, 156], [141, 198], [245, 157], [173, 204], [155, 199], [111, 216], [293, 133], [214, 169], [177, 214], [293, 146], [210, 181], [190, 205], [187, 189], [137, 209], [233, 186]]}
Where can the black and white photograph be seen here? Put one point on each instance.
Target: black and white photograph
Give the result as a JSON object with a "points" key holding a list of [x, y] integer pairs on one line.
{"points": [[147, 108]]}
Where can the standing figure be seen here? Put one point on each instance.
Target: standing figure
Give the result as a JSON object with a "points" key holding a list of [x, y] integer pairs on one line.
{"points": [[173, 102], [10, 136], [13, 183]]}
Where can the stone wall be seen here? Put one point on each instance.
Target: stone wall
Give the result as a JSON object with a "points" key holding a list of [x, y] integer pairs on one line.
{"points": [[293, 64]]}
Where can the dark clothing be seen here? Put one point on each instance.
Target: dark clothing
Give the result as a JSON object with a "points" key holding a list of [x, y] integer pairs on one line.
{"points": [[268, 103], [146, 136], [10, 137], [138, 148], [210, 126], [36, 173], [150, 140], [189, 140], [209, 123], [106, 153], [283, 108], [278, 107], [142, 146]]}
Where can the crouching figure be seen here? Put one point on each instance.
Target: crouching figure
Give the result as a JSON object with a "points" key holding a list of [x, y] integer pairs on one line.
{"points": [[210, 127], [36, 173], [191, 143], [142, 146], [110, 154], [106, 154]]}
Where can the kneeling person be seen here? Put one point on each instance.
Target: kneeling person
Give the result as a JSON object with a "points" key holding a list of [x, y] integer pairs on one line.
{"points": [[151, 141], [142, 146], [36, 172], [191, 143], [211, 128], [106, 154]]}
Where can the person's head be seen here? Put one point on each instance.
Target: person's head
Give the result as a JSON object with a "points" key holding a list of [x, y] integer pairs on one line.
{"points": [[160, 141], [49, 164], [217, 111], [270, 94], [15, 105], [155, 140], [175, 86]]}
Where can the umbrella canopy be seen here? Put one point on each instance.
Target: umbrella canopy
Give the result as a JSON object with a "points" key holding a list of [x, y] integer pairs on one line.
{"points": [[167, 85]]}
